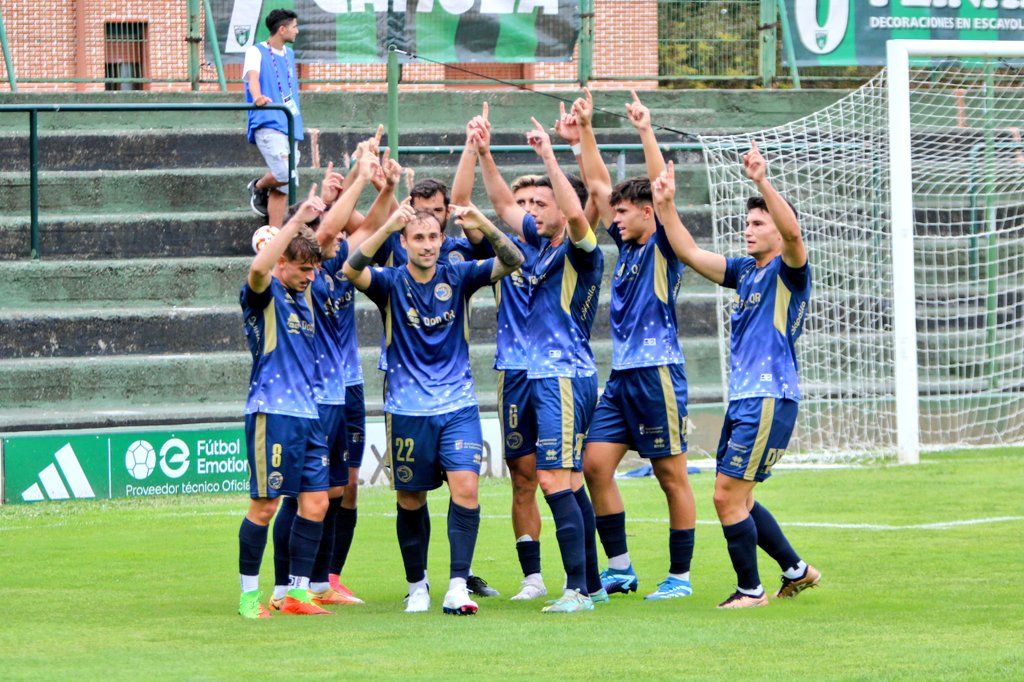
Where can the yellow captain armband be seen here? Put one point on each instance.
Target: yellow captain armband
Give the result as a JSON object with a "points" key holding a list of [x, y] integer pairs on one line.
{"points": [[588, 243]]}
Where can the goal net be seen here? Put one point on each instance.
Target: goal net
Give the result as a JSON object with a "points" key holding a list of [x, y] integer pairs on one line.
{"points": [[910, 195]]}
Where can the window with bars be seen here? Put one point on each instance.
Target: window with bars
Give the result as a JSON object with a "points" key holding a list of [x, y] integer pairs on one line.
{"points": [[125, 47]]}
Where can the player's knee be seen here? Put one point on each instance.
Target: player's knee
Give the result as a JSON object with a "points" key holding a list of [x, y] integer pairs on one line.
{"points": [[261, 511], [313, 506], [724, 501]]}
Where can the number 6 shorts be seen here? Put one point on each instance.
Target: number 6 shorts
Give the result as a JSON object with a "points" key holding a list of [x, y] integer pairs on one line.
{"points": [[421, 448], [287, 455]]}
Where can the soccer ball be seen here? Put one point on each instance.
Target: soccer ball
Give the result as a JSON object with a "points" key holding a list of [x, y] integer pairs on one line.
{"points": [[140, 459], [262, 237]]}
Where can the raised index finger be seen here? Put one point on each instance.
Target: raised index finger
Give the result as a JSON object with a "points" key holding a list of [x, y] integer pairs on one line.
{"points": [[312, 192], [380, 132], [486, 110], [636, 98]]}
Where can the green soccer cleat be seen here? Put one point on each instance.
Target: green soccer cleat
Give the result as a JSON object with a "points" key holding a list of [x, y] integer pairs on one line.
{"points": [[250, 606], [571, 601], [600, 597]]}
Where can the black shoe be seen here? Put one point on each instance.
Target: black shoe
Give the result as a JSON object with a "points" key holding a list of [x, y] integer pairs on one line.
{"points": [[478, 586], [258, 198]]}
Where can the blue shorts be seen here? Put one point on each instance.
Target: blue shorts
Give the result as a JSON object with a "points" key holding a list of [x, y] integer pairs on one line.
{"points": [[421, 449], [287, 455], [755, 436], [645, 409], [563, 407], [355, 421], [518, 419], [332, 422]]}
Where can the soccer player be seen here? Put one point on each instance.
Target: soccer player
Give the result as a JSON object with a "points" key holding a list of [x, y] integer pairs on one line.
{"points": [[565, 284], [773, 287], [643, 406], [433, 423], [285, 445]]}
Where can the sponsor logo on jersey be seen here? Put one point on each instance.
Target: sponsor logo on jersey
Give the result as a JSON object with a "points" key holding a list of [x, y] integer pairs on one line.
{"points": [[736, 460]]}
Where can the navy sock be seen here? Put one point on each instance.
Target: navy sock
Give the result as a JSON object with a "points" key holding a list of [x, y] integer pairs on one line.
{"points": [[569, 532], [680, 549], [425, 535], [302, 546], [593, 573], [410, 541], [326, 547], [463, 526], [344, 530], [252, 539], [771, 539], [612, 529], [529, 556], [741, 539], [282, 534]]}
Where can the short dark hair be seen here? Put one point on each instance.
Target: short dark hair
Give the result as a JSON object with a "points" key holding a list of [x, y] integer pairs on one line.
{"points": [[759, 202], [428, 187], [577, 186], [636, 191], [279, 17], [422, 215], [304, 248], [525, 181]]}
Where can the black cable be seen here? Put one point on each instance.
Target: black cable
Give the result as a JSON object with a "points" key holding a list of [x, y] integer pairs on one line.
{"points": [[519, 86]]}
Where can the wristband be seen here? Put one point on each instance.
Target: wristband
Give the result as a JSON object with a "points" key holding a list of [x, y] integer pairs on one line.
{"points": [[577, 149]]}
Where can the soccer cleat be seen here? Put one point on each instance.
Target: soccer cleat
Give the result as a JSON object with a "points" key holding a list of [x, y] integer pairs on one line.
{"points": [[257, 198], [738, 600], [458, 603], [479, 587], [275, 603], [418, 601], [300, 603], [249, 606], [792, 587], [670, 588], [624, 581], [330, 597], [600, 597], [530, 588], [334, 580], [571, 601]]}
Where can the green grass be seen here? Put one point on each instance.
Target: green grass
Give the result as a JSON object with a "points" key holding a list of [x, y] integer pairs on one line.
{"points": [[132, 589]]}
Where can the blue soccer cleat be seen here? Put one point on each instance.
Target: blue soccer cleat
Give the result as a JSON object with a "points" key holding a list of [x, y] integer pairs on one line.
{"points": [[670, 588], [619, 581]]}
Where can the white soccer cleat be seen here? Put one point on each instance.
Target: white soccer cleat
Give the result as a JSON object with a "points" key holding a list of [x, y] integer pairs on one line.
{"points": [[458, 603], [418, 600], [531, 588]]}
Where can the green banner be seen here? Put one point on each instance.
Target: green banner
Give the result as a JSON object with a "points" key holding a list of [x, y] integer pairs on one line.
{"points": [[360, 31], [854, 32]]}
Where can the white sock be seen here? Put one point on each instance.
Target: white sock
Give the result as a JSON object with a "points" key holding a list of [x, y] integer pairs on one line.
{"points": [[318, 587], [298, 582], [680, 576], [534, 578], [620, 562], [756, 592], [250, 582], [523, 538], [280, 591], [417, 585], [794, 573], [457, 583]]}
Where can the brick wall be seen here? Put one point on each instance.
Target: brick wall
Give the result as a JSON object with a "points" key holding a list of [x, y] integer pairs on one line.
{"points": [[62, 39]]}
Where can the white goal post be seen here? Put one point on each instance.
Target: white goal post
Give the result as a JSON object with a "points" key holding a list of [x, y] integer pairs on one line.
{"points": [[910, 193]]}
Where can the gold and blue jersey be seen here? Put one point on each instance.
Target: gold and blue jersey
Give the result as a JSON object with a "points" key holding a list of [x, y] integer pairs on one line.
{"points": [[766, 317], [564, 288], [643, 313], [512, 298], [348, 335], [426, 336], [280, 331], [329, 375]]}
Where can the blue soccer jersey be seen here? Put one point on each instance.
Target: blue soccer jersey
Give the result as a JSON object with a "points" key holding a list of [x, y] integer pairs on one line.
{"points": [[512, 298], [348, 336], [564, 288], [426, 336], [329, 377], [644, 288], [279, 329], [766, 319]]}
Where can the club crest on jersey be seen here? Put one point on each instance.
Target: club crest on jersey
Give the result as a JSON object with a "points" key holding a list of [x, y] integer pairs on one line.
{"points": [[275, 480], [760, 275], [442, 291], [403, 474], [330, 281], [455, 257], [514, 440]]}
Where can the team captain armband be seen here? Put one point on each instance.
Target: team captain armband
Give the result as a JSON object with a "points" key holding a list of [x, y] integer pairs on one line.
{"points": [[588, 243]]}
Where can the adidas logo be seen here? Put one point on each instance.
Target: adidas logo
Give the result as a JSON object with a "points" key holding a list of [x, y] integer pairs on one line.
{"points": [[53, 485]]}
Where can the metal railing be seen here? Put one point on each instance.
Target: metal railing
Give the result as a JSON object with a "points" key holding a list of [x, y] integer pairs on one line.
{"points": [[33, 111]]}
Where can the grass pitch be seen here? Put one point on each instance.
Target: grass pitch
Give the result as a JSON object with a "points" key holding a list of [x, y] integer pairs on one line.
{"points": [[910, 589]]}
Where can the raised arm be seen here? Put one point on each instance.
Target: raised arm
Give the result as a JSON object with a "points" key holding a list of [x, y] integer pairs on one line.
{"points": [[508, 256], [706, 264], [568, 128], [264, 262], [640, 117], [462, 185], [565, 195], [498, 191], [362, 256], [595, 172], [373, 143], [383, 206], [794, 253], [337, 217]]}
